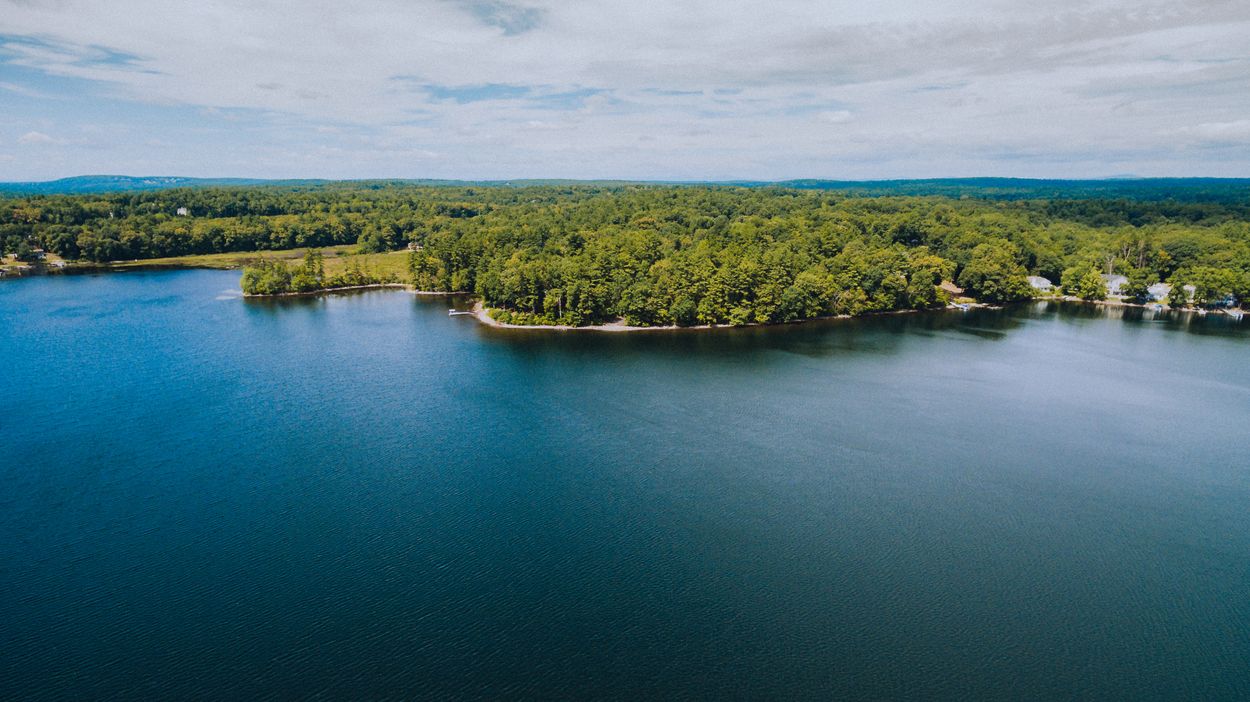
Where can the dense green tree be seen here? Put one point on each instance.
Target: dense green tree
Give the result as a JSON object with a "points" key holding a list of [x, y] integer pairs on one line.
{"points": [[1178, 297], [994, 275], [1084, 282], [24, 252], [657, 255], [1091, 286], [266, 277], [1070, 281], [311, 275], [426, 271], [1137, 289], [1212, 286]]}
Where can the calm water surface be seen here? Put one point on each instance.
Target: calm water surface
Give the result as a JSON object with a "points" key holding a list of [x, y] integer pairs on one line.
{"points": [[361, 497]]}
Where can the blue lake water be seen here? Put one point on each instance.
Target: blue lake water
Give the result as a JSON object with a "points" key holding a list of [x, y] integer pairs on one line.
{"points": [[361, 497]]}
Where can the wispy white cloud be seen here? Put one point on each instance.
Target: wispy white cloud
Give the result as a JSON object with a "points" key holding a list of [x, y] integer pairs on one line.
{"points": [[1235, 130], [37, 138], [734, 88], [25, 91], [835, 116]]}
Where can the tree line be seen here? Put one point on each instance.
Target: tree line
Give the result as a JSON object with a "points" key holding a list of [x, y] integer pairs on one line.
{"points": [[656, 255]]}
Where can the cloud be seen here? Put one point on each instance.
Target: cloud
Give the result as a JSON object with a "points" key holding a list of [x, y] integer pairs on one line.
{"points": [[37, 138], [835, 116], [1235, 130], [25, 91], [733, 88]]}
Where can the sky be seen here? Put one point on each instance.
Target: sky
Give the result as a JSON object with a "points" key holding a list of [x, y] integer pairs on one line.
{"points": [[649, 89]]}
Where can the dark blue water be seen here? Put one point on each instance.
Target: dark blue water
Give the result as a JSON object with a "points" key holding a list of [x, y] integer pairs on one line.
{"points": [[361, 497]]}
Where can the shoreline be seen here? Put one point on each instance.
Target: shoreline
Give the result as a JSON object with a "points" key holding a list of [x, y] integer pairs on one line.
{"points": [[480, 313], [347, 288], [1111, 303], [479, 310]]}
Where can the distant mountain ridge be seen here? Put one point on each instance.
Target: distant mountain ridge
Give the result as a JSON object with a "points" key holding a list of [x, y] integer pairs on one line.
{"points": [[121, 183], [1133, 188], [1149, 189]]}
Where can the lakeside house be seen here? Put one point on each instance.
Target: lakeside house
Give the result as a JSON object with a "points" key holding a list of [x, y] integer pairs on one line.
{"points": [[414, 246], [1114, 283], [1159, 291], [1041, 284], [182, 212]]}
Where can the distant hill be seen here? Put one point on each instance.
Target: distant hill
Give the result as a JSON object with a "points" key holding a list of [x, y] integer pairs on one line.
{"points": [[1145, 189], [1152, 189], [118, 183]]}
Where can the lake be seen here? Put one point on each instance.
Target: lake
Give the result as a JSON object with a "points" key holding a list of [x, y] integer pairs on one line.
{"points": [[361, 497]]}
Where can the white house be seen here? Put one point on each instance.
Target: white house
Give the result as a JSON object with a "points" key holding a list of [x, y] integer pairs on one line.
{"points": [[1039, 283], [183, 212], [1159, 291], [1114, 283]]}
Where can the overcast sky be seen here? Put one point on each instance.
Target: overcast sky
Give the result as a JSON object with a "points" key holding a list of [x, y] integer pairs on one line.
{"points": [[688, 89]]}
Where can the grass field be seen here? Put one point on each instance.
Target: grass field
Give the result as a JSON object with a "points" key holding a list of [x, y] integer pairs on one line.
{"points": [[337, 259]]}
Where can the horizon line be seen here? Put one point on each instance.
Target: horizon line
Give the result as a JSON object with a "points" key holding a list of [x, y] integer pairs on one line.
{"points": [[692, 181]]}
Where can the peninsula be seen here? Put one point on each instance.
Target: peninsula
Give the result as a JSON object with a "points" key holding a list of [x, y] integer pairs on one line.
{"points": [[645, 255]]}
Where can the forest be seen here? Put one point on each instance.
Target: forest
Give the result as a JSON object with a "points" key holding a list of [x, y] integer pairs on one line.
{"points": [[649, 254]]}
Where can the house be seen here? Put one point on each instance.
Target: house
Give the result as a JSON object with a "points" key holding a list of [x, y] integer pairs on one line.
{"points": [[1041, 284], [1159, 291], [1114, 283], [182, 212], [414, 246]]}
